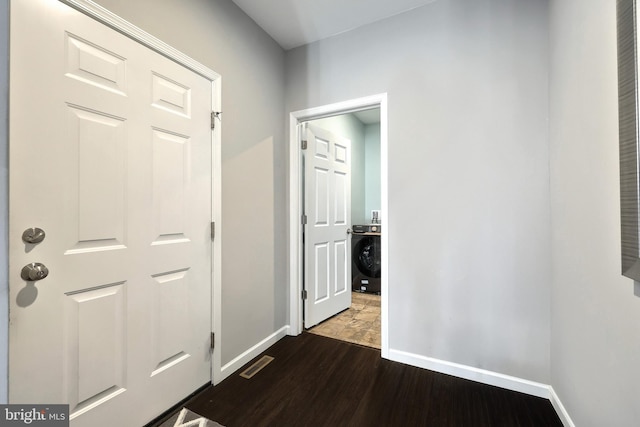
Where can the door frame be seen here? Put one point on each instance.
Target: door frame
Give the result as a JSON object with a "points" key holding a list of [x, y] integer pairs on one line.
{"points": [[295, 246], [111, 20]]}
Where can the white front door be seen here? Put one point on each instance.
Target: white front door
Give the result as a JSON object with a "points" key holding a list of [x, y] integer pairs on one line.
{"points": [[327, 163], [110, 155]]}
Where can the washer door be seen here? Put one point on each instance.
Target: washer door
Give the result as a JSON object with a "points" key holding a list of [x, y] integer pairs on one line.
{"points": [[366, 256]]}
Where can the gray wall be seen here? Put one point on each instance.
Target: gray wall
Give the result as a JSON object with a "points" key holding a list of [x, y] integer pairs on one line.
{"points": [[219, 35], [348, 126], [468, 222], [595, 340]]}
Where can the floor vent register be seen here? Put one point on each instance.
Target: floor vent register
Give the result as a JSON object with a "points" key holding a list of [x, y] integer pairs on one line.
{"points": [[256, 367]]}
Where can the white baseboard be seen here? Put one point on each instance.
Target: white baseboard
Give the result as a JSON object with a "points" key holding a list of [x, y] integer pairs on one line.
{"points": [[560, 409], [455, 369], [485, 377], [470, 373], [245, 357]]}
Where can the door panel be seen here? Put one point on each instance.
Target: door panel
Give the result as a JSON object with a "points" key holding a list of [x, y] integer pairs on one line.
{"points": [[171, 155], [110, 154], [328, 208], [101, 220], [170, 311], [341, 253], [96, 364]]}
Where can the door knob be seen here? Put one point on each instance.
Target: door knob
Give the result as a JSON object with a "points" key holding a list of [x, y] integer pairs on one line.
{"points": [[33, 235], [34, 271]]}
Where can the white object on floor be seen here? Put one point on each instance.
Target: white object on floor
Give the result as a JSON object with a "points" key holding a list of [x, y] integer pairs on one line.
{"points": [[186, 418]]}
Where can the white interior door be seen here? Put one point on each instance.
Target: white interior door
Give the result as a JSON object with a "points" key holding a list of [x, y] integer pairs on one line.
{"points": [[110, 154], [327, 163]]}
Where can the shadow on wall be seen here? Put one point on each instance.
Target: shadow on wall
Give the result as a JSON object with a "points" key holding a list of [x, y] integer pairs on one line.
{"points": [[250, 310]]}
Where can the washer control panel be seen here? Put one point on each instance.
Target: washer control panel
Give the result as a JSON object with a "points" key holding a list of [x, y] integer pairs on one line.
{"points": [[367, 228]]}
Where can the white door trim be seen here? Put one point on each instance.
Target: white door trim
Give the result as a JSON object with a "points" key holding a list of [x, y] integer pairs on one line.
{"points": [[112, 20], [103, 15], [295, 205], [4, 200]]}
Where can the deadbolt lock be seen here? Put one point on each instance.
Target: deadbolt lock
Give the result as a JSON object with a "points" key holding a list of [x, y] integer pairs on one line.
{"points": [[33, 235]]}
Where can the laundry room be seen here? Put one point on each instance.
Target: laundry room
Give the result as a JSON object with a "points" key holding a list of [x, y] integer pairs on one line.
{"points": [[360, 322]]}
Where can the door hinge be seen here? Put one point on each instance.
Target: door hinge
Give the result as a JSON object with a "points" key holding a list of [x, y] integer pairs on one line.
{"points": [[304, 294], [304, 144], [213, 230], [304, 219], [213, 340], [215, 115]]}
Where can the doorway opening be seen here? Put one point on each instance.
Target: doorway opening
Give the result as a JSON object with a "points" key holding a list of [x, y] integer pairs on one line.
{"points": [[369, 111]]}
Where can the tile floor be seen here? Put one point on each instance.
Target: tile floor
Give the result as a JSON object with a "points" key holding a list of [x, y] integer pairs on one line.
{"points": [[359, 324]]}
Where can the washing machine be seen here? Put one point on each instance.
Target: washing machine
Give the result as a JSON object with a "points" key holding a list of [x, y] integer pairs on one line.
{"points": [[366, 258]]}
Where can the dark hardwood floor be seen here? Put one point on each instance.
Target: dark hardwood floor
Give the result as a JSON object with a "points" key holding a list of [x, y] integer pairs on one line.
{"points": [[319, 381]]}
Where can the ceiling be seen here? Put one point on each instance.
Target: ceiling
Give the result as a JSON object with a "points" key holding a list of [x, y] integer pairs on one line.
{"points": [[368, 117], [294, 23]]}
